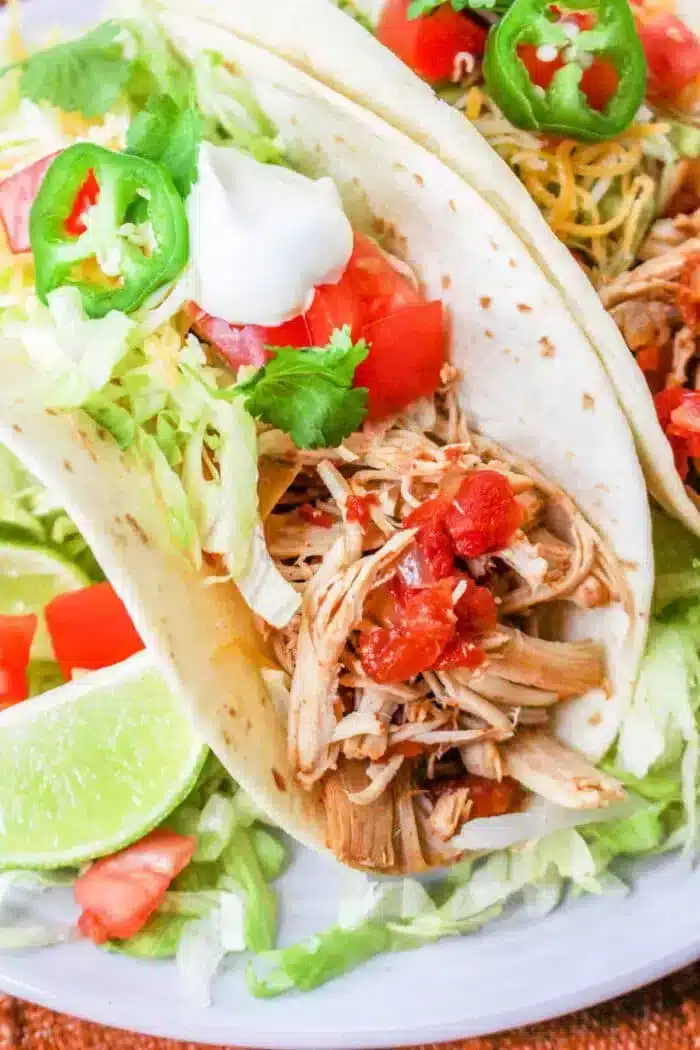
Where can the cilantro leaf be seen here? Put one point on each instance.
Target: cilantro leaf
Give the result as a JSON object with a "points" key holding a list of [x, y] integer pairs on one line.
{"points": [[309, 393], [170, 136], [85, 76], [424, 7]]}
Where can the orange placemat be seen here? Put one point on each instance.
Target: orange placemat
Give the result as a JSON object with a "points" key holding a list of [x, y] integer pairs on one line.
{"points": [[665, 1016]]}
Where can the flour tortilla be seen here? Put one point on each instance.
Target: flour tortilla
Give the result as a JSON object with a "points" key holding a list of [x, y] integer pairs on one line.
{"points": [[531, 383], [322, 40]]}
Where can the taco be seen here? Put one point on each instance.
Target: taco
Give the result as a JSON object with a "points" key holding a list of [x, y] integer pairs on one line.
{"points": [[336, 441], [599, 199]]}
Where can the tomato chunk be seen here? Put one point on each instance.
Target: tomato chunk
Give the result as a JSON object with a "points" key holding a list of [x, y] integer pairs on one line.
{"points": [[494, 798], [17, 195], [358, 510], [90, 628], [118, 894], [333, 307], [430, 44], [461, 651], [378, 287], [407, 352], [484, 514], [476, 609], [16, 637], [86, 197], [672, 52], [395, 654]]}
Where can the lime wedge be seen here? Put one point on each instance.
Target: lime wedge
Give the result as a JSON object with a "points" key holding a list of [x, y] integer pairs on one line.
{"points": [[92, 766], [30, 576]]}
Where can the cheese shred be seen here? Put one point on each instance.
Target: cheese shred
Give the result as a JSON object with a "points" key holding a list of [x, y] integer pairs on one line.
{"points": [[599, 198]]}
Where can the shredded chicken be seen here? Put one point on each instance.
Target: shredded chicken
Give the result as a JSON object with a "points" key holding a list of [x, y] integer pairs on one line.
{"points": [[549, 768], [394, 757]]}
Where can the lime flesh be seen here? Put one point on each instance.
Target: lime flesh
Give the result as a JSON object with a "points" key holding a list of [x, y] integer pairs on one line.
{"points": [[92, 766], [30, 576]]}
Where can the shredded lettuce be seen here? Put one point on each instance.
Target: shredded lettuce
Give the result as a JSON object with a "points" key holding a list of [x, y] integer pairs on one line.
{"points": [[75, 356]]}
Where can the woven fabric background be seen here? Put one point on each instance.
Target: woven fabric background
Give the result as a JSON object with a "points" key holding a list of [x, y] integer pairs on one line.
{"points": [[665, 1016]]}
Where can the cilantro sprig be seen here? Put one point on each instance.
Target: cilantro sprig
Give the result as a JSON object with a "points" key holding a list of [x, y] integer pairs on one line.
{"points": [[170, 136], [425, 7], [87, 75], [309, 393]]}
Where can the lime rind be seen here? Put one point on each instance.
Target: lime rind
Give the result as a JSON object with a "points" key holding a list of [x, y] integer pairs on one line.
{"points": [[92, 766]]}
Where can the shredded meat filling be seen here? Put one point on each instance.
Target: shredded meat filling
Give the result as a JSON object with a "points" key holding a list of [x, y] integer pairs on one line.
{"points": [[394, 752]]}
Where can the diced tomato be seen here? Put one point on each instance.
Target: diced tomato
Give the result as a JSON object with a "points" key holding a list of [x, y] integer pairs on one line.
{"points": [[666, 401], [118, 894], [379, 288], [484, 514], [333, 306], [429, 559], [16, 637], [685, 418], [290, 333], [494, 798], [17, 195], [672, 52], [314, 516], [648, 358], [598, 83], [90, 628], [476, 609], [430, 512], [430, 44], [395, 654], [688, 296], [407, 352], [462, 651], [358, 509], [86, 197], [678, 411]]}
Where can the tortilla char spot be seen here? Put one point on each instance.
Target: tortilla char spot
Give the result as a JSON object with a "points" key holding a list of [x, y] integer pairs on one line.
{"points": [[279, 780], [17, 428], [87, 445], [138, 529], [231, 711], [398, 166], [595, 719], [512, 263], [418, 179], [445, 281], [488, 333], [588, 402], [340, 140], [547, 347], [68, 466], [524, 308], [453, 206], [51, 411], [495, 245], [485, 302]]}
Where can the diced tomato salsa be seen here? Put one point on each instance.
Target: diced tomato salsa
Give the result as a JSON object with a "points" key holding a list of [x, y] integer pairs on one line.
{"points": [[436, 613]]}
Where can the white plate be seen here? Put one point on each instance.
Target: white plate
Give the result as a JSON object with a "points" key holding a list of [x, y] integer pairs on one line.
{"points": [[511, 974]]}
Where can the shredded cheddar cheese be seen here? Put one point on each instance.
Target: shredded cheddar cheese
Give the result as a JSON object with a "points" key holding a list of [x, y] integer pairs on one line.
{"points": [[598, 198]]}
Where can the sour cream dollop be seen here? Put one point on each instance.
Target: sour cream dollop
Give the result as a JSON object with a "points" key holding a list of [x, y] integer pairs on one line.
{"points": [[262, 237]]}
